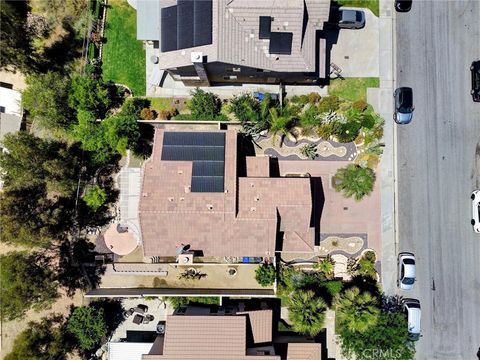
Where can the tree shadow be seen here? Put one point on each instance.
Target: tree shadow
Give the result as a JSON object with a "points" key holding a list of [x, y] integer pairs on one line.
{"points": [[364, 283], [76, 266], [113, 312]]}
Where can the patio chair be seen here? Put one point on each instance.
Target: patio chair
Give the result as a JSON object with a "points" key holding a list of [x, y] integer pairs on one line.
{"points": [[148, 318], [128, 313], [141, 309]]}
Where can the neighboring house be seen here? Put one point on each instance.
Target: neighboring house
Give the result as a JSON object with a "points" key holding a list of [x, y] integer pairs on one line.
{"points": [[206, 335], [210, 42], [196, 197], [10, 113]]}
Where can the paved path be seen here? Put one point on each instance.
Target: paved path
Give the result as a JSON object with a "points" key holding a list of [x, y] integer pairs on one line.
{"points": [[437, 170]]}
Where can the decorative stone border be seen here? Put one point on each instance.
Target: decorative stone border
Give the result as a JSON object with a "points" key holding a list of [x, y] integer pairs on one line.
{"points": [[357, 236]]}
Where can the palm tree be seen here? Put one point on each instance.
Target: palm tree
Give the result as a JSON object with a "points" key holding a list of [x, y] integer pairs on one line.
{"points": [[355, 311], [326, 266], [283, 120], [306, 311], [354, 180]]}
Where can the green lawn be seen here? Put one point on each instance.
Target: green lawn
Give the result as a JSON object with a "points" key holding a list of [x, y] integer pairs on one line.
{"points": [[352, 88], [370, 4], [123, 54]]}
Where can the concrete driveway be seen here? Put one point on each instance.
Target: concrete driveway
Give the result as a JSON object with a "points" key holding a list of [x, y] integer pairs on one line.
{"points": [[356, 51]]}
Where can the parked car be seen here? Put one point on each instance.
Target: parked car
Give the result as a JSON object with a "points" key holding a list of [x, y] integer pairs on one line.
{"points": [[403, 105], [403, 5], [412, 310], [351, 19], [475, 210], [406, 271], [475, 69]]}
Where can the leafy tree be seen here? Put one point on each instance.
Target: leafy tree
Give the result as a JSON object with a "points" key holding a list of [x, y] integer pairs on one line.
{"points": [[388, 337], [306, 311], [46, 100], [26, 282], [87, 324], [16, 39], [354, 181], [265, 275], [356, 311], [205, 105], [121, 132], [95, 197], [91, 95], [254, 115], [44, 340]]}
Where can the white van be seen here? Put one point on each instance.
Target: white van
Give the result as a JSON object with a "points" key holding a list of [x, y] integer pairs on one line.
{"points": [[411, 307]]}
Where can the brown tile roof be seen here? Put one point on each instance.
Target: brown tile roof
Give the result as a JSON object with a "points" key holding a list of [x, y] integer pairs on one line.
{"points": [[237, 22], [304, 351], [258, 166], [261, 324], [217, 223], [200, 337]]}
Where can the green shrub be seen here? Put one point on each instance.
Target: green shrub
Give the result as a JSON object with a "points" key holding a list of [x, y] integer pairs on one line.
{"points": [[147, 114], [348, 131], [366, 265], [306, 311], [310, 117], [309, 151], [299, 99], [354, 181], [329, 103], [95, 197], [177, 301], [134, 106], [360, 105], [245, 107], [265, 275], [92, 51], [333, 287], [205, 105], [314, 98]]}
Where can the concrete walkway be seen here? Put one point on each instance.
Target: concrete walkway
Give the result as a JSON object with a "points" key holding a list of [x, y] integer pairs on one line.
{"points": [[382, 100]]}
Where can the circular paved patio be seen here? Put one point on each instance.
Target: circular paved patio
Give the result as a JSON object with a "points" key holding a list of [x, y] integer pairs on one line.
{"points": [[120, 243]]}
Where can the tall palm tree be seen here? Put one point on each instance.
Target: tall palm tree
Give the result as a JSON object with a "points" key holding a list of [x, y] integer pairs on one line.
{"points": [[306, 311], [356, 311], [283, 120], [354, 180]]}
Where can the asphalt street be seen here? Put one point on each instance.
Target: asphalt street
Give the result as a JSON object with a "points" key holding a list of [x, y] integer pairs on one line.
{"points": [[437, 168]]}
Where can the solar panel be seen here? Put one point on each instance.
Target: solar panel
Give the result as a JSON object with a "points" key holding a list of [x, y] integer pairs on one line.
{"points": [[169, 29], [281, 43], [202, 22], [185, 23], [265, 27], [207, 153]]}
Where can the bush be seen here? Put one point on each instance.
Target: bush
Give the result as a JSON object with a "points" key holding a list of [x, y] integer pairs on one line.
{"points": [[309, 151], [354, 181], [366, 265], [310, 117], [177, 301], [333, 287], [147, 114], [88, 326], [306, 311], [92, 51], [314, 98], [134, 106], [205, 105], [348, 131], [329, 103], [265, 275], [244, 107], [360, 105]]}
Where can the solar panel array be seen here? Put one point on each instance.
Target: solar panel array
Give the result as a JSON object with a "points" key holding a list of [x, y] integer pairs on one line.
{"points": [[187, 24], [281, 43], [205, 150]]}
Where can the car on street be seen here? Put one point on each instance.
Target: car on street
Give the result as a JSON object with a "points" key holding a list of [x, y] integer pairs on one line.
{"points": [[351, 19], [411, 308], [475, 197], [406, 271], [403, 105], [403, 5], [475, 69]]}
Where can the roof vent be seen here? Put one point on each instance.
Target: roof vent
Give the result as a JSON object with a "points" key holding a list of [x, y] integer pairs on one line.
{"points": [[253, 209], [170, 199], [257, 198], [182, 199], [209, 206], [180, 172], [252, 185], [187, 189], [144, 194]]}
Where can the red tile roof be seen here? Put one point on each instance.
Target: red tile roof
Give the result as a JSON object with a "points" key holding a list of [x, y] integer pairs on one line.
{"points": [[241, 221]]}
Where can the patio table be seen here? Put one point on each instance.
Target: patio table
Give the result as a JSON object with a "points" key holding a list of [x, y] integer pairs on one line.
{"points": [[137, 319]]}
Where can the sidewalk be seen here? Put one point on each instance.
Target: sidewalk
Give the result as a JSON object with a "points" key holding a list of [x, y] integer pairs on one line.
{"points": [[382, 100]]}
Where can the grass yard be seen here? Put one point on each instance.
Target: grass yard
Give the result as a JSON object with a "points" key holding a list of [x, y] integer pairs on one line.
{"points": [[123, 55], [373, 5], [352, 88]]}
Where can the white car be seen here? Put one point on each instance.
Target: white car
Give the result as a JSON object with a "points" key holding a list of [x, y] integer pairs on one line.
{"points": [[411, 307], [406, 271], [475, 210]]}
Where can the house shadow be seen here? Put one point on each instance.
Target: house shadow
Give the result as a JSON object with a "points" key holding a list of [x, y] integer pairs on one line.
{"points": [[318, 202]]}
